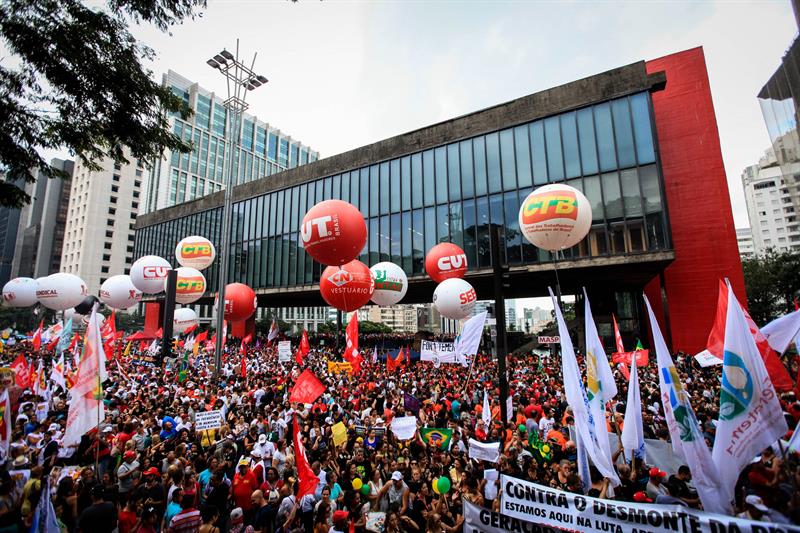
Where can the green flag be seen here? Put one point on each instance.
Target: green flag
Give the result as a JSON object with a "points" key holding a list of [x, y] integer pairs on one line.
{"points": [[539, 447], [442, 436]]}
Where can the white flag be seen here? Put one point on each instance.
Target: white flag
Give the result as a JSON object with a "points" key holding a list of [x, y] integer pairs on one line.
{"points": [[5, 423], [470, 339], [153, 348], [486, 414], [632, 434], [750, 416], [683, 428], [273, 331], [781, 332], [600, 385], [188, 345], [375, 354], [404, 427], [579, 402]]}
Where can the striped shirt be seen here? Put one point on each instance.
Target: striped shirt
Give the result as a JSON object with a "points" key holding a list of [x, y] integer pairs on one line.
{"points": [[187, 521]]}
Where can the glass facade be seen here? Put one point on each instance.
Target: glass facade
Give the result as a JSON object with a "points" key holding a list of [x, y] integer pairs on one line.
{"points": [[454, 193]]}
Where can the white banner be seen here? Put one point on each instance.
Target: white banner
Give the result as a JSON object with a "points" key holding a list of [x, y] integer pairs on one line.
{"points": [[207, 420], [552, 508], [284, 351], [438, 352], [404, 427], [706, 359], [484, 451], [479, 519]]}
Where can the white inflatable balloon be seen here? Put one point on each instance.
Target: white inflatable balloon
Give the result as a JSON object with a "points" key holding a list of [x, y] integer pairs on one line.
{"points": [[183, 319], [118, 292], [61, 291], [555, 217], [454, 298], [391, 283], [190, 286], [195, 252], [149, 272], [20, 292]]}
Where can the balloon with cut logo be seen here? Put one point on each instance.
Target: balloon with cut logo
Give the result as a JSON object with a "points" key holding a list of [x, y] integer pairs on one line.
{"points": [[61, 291], [391, 283], [240, 302], [348, 287], [149, 272], [333, 232], [118, 292], [454, 298], [20, 292], [445, 261], [183, 319], [555, 217], [195, 252], [190, 285]]}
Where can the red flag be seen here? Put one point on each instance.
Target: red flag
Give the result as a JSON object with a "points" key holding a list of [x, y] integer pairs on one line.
{"points": [[307, 388], [617, 336], [298, 356], [22, 373], [243, 351], [392, 364], [716, 343], [623, 368], [159, 333], [201, 337], [304, 346], [37, 337], [351, 338], [308, 479]]}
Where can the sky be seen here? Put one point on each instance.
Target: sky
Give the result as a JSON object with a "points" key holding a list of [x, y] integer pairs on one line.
{"points": [[344, 74]]}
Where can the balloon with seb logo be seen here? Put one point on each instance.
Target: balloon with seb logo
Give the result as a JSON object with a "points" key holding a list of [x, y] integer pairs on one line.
{"points": [[454, 298], [347, 287], [555, 217], [148, 273], [61, 291], [333, 232], [118, 292], [183, 319], [444, 261], [190, 286], [20, 292], [240, 302], [195, 252], [391, 283]]}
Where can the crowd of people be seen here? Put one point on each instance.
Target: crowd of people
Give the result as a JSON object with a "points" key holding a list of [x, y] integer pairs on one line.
{"points": [[147, 469]]}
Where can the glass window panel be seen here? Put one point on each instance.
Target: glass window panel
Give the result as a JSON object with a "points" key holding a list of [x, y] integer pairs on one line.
{"points": [[513, 237], [417, 181], [302, 208], [395, 240], [623, 133], [612, 196], [346, 187], [479, 159], [418, 241], [453, 172], [569, 140], [443, 227], [295, 205], [326, 189], [440, 158], [605, 136], [429, 193], [405, 182], [484, 245], [538, 154], [320, 186], [383, 173], [630, 192], [508, 166], [470, 242], [456, 228], [555, 160], [642, 128], [394, 177], [650, 189], [467, 179], [337, 187], [355, 185], [523, 152], [374, 241], [591, 189], [292, 243], [363, 205], [430, 228], [493, 162], [407, 234], [385, 238], [250, 269], [586, 138]]}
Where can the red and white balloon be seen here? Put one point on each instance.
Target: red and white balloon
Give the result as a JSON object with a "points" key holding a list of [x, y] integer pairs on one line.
{"points": [[240, 302], [555, 217], [348, 287], [183, 319], [61, 291], [445, 261], [118, 292], [454, 298], [195, 252], [148, 273], [20, 292], [190, 285], [333, 232]]}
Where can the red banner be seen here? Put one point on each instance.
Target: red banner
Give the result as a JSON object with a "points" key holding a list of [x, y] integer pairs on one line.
{"points": [[307, 388], [642, 358]]}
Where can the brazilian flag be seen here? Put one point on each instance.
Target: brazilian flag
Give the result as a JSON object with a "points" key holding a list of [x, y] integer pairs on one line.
{"points": [[442, 436], [184, 366], [538, 447]]}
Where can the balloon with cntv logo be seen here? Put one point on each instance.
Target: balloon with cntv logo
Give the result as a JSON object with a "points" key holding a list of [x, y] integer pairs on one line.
{"points": [[183, 319], [555, 217], [61, 291], [454, 298], [444, 261], [118, 292], [190, 286], [195, 252], [347, 287], [391, 283], [333, 232], [20, 292], [149, 272]]}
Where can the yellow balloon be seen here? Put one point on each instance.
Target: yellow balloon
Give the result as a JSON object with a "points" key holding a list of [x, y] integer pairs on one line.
{"points": [[357, 484], [433, 485]]}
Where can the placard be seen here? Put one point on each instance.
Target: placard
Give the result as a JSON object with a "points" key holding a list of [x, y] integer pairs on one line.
{"points": [[207, 420], [438, 352], [484, 451], [284, 351], [404, 427], [706, 359]]}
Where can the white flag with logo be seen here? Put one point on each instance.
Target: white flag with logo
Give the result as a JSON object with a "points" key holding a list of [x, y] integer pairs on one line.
{"points": [[578, 401], [470, 339], [750, 415], [684, 429], [486, 414], [781, 332], [632, 433]]}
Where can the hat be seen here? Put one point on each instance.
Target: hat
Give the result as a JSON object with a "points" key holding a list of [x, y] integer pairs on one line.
{"points": [[655, 472], [244, 461], [339, 516], [262, 439], [237, 515], [756, 502], [379, 420], [152, 471], [20, 461], [256, 453], [642, 497], [397, 476], [130, 454], [54, 427], [107, 429]]}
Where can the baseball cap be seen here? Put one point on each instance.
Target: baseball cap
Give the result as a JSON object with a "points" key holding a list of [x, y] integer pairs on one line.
{"points": [[339, 516], [397, 476], [642, 497], [756, 502], [152, 471], [129, 455], [244, 462], [262, 439], [655, 472], [237, 515], [107, 429], [54, 427]]}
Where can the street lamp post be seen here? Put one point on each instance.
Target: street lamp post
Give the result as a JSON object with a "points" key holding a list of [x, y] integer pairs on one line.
{"points": [[240, 79]]}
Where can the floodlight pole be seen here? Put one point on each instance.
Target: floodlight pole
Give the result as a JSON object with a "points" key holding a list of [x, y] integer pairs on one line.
{"points": [[240, 79]]}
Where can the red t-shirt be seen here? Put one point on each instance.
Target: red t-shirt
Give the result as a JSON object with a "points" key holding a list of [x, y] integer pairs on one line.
{"points": [[127, 519], [243, 487]]}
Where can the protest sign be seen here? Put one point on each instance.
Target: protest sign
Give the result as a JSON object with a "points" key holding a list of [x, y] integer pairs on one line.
{"points": [[404, 427], [706, 359], [551, 509], [484, 451], [207, 420], [438, 352], [339, 368], [284, 351], [479, 519], [339, 432]]}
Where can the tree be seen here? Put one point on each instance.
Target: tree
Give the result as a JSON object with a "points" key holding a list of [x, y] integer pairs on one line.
{"points": [[130, 322], [772, 282], [366, 326], [263, 326], [79, 83]]}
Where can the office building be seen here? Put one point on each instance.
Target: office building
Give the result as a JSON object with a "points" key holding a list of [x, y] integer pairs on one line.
{"points": [[636, 140], [301, 318], [9, 223], [744, 240], [264, 150], [401, 318]]}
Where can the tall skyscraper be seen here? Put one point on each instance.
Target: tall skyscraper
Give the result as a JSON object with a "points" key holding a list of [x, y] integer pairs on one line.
{"points": [[9, 222], [264, 150]]}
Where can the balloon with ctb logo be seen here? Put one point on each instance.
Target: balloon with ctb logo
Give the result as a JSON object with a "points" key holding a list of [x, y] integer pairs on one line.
{"points": [[190, 285], [555, 217], [195, 252]]}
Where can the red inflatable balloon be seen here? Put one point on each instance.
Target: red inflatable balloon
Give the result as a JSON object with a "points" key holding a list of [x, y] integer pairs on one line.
{"points": [[347, 287], [445, 261], [333, 232], [240, 302]]}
